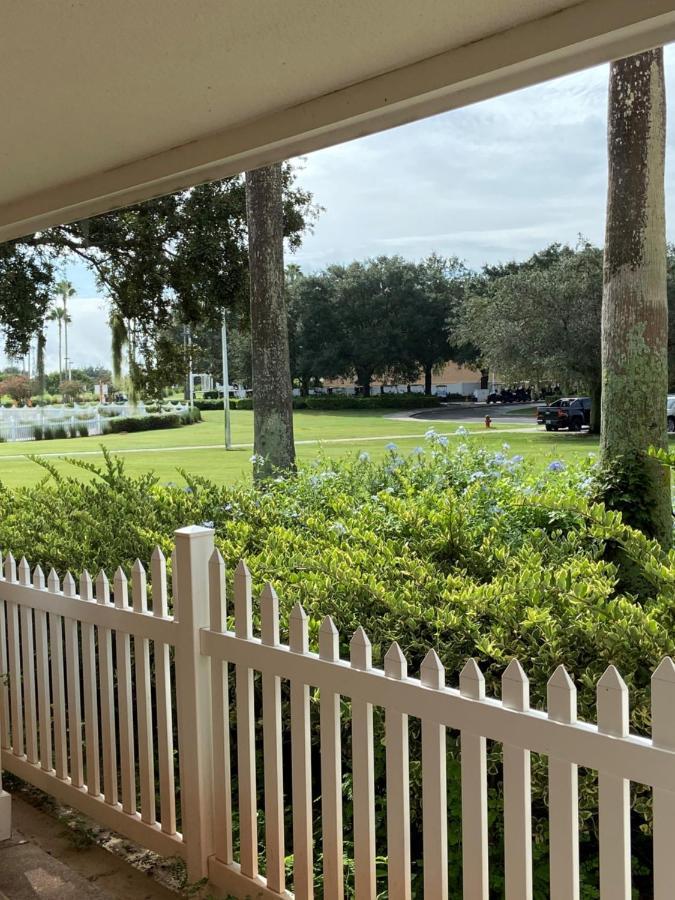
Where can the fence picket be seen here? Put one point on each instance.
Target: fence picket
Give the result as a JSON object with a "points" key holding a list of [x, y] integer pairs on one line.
{"points": [[614, 793], [125, 700], [663, 735], [73, 688], [146, 763], [363, 775], [58, 685], [5, 742], [474, 793], [221, 716], [89, 681], [563, 796], [517, 793], [272, 749], [301, 764], [160, 609], [434, 789], [28, 662], [43, 686], [105, 669], [248, 818], [331, 771], [398, 783], [14, 668]]}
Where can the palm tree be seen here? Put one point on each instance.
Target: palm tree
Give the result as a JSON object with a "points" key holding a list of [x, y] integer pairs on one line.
{"points": [[61, 317], [65, 290]]}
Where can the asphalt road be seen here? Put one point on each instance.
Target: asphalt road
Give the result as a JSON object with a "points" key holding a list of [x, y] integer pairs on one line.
{"points": [[476, 412]]}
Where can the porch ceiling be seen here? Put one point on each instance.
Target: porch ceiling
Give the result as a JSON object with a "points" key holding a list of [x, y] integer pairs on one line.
{"points": [[106, 103]]}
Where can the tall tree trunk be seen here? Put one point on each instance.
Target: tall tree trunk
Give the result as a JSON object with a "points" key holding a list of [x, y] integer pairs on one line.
{"points": [[596, 406], [363, 380], [40, 361], [634, 306], [428, 371], [271, 367], [60, 355]]}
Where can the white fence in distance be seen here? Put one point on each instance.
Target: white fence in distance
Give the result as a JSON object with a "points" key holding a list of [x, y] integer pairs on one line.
{"points": [[21, 423], [87, 715]]}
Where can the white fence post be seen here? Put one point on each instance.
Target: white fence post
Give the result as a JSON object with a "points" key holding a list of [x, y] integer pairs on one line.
{"points": [[194, 546]]}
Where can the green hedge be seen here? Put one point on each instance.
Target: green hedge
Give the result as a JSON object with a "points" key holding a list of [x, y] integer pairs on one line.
{"points": [[471, 552], [338, 401], [152, 422]]}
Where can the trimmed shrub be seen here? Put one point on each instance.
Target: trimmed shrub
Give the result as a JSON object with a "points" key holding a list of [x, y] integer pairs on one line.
{"points": [[152, 422]]}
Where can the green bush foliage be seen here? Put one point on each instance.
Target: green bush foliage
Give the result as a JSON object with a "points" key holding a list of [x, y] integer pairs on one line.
{"points": [[340, 401], [471, 552], [152, 422]]}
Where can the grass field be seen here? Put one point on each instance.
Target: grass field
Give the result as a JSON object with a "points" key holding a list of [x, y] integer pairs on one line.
{"points": [[198, 449]]}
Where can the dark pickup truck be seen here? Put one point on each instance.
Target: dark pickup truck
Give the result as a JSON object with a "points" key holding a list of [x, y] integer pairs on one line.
{"points": [[568, 412]]}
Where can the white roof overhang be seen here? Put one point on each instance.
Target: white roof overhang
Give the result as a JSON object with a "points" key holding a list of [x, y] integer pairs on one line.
{"points": [[106, 103]]}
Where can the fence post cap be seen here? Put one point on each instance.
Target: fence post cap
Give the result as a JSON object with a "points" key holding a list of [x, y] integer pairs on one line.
{"points": [[194, 531]]}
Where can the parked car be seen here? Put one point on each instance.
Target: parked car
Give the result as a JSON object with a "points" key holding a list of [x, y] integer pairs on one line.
{"points": [[671, 413], [568, 412]]}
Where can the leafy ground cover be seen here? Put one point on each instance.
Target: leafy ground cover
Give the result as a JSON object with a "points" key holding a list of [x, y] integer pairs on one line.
{"points": [[199, 448], [475, 550]]}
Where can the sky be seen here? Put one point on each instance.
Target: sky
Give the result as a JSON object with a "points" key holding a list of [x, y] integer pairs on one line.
{"points": [[489, 183]]}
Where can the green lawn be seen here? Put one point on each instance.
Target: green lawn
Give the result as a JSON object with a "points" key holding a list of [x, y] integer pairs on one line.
{"points": [[198, 449]]}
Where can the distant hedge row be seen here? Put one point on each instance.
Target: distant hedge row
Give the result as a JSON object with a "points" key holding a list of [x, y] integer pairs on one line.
{"points": [[128, 424], [339, 401]]}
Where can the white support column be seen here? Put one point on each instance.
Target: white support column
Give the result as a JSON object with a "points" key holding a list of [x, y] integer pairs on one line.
{"points": [[194, 546]]}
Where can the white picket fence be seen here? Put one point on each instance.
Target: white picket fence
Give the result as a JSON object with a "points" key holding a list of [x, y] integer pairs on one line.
{"points": [[20, 423], [88, 717]]}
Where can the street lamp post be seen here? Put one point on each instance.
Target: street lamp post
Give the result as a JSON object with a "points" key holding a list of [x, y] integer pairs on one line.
{"points": [[226, 387]]}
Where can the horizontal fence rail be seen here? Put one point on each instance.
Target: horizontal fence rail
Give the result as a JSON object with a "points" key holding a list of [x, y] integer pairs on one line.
{"points": [[276, 792]]}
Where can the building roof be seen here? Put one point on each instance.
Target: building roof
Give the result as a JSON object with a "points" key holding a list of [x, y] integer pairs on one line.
{"points": [[108, 103]]}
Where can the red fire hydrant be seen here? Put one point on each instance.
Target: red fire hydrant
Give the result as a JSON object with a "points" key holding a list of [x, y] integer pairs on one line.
{"points": [[488, 421]]}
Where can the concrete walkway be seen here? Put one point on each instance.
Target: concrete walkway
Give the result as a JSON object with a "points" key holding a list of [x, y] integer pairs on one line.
{"points": [[28, 873], [40, 862]]}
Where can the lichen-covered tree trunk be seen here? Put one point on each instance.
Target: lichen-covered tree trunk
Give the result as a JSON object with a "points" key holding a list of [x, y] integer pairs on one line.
{"points": [[596, 404], [271, 368], [634, 307]]}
